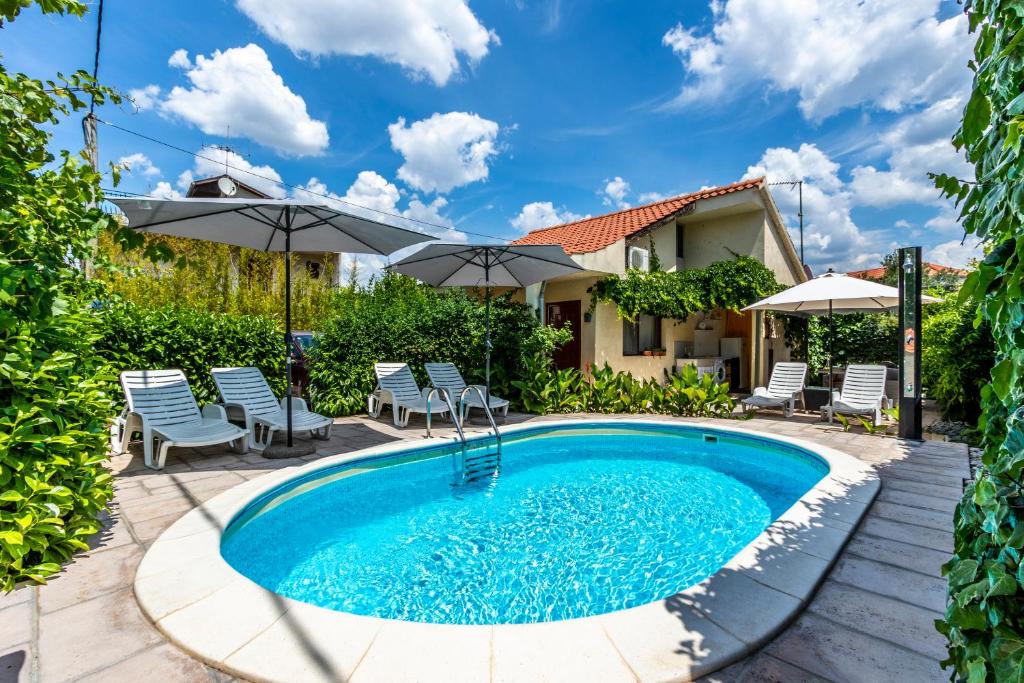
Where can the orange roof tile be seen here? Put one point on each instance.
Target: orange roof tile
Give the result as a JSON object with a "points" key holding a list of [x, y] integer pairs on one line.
{"points": [[592, 234], [931, 268]]}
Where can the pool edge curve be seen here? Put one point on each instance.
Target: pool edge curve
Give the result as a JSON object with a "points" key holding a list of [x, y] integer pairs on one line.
{"points": [[205, 607]]}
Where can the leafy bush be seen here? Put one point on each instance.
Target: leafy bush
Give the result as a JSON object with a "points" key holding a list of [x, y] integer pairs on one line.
{"points": [[137, 338], [984, 622], [956, 359], [545, 390], [397, 319], [54, 413]]}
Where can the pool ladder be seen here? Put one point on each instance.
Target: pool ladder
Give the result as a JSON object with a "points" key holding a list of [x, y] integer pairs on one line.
{"points": [[482, 462]]}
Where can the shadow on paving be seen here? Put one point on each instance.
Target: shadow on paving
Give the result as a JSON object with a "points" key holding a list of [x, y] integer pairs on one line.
{"points": [[11, 666]]}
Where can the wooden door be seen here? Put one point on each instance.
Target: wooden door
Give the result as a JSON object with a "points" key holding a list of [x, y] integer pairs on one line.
{"points": [[558, 314]]}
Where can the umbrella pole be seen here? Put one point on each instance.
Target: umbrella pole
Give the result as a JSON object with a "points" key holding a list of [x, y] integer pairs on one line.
{"points": [[487, 334], [288, 321], [831, 347]]}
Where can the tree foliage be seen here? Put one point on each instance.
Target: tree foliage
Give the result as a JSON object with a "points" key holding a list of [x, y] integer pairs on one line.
{"points": [[984, 622], [215, 277], [54, 416], [729, 285], [398, 319]]}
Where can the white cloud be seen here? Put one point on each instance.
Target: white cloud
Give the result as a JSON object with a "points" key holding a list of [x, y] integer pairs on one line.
{"points": [[145, 98], [955, 254], [651, 197], [542, 215], [831, 237], [180, 60], [163, 190], [833, 53], [237, 93], [615, 191], [374, 197], [214, 161], [139, 164], [946, 221], [425, 37], [444, 151], [917, 144]]}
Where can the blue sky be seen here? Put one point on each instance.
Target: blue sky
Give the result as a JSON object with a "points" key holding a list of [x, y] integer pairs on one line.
{"points": [[496, 117]]}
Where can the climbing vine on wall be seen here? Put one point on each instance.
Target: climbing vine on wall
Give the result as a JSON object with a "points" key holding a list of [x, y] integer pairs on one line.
{"points": [[984, 622], [729, 285]]}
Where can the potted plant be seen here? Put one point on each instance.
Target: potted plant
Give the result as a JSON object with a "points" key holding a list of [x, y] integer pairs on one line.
{"points": [[658, 351], [648, 352]]}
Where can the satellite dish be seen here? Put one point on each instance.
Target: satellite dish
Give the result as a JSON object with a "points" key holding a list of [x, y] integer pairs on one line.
{"points": [[227, 186]]}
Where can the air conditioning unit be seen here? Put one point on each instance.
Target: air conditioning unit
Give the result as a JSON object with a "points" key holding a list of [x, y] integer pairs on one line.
{"points": [[639, 258]]}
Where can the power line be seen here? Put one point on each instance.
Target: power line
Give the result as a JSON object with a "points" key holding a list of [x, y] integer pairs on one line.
{"points": [[282, 183]]}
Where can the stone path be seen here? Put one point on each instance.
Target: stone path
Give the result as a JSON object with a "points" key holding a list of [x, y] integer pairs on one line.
{"points": [[870, 621]]}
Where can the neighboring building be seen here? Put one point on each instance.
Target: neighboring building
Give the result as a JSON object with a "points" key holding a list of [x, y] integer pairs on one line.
{"points": [[214, 187], [690, 231], [928, 269]]}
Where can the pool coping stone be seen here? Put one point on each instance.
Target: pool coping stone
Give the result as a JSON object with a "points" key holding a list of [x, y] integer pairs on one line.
{"points": [[205, 607]]}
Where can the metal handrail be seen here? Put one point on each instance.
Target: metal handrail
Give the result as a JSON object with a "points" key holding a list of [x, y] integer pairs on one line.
{"points": [[446, 397], [487, 411]]}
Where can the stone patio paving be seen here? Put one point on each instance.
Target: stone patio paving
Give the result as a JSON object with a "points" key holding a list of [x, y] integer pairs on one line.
{"points": [[871, 620]]}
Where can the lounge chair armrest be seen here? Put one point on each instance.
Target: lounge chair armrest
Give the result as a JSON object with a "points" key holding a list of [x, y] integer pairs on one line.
{"points": [[143, 421], [298, 404], [236, 408], [214, 411]]}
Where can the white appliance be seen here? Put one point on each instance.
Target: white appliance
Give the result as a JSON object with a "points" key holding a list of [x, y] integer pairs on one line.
{"points": [[734, 347], [639, 258]]}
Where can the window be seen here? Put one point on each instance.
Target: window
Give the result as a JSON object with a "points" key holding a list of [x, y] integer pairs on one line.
{"points": [[641, 335], [680, 242], [313, 268]]}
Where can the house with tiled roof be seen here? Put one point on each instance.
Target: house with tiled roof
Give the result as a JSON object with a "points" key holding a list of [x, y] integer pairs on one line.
{"points": [[689, 231], [929, 269]]}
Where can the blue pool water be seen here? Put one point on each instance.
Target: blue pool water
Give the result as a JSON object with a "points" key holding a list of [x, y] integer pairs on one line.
{"points": [[580, 521]]}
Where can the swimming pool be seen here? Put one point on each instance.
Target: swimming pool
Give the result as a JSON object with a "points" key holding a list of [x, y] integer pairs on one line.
{"points": [[583, 519]]}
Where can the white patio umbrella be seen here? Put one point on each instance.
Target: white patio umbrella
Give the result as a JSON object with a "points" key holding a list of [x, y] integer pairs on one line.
{"points": [[277, 225], [487, 265], [834, 293]]}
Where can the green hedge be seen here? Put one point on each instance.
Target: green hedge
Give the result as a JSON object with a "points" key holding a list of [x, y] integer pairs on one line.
{"points": [[137, 338], [54, 412], [956, 359], [860, 338], [396, 319]]}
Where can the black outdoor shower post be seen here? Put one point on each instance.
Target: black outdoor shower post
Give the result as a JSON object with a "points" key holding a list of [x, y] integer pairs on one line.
{"points": [[909, 261]]}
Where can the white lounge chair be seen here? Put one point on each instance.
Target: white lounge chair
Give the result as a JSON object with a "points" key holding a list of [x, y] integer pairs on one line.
{"points": [[396, 386], [245, 395], [863, 393], [784, 387], [161, 406], [447, 376]]}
